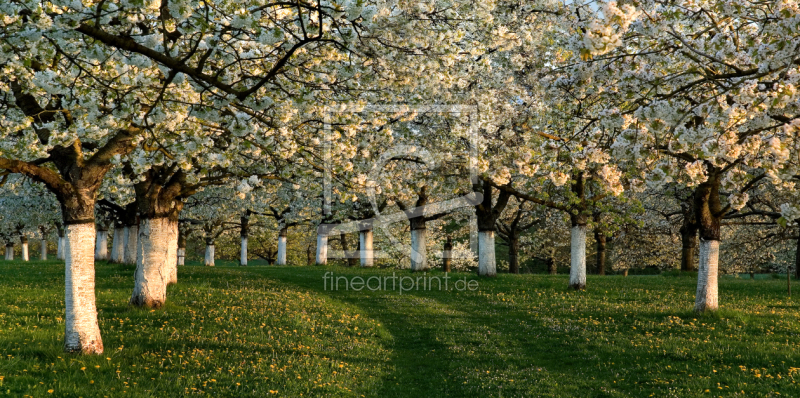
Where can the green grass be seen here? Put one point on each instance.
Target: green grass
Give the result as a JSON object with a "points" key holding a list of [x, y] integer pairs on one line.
{"points": [[274, 331]]}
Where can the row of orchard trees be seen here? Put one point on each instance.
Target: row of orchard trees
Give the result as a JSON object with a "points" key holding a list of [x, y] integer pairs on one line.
{"points": [[159, 111]]}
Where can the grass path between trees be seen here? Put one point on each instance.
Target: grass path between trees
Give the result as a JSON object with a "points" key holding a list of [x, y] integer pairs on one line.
{"points": [[276, 331]]}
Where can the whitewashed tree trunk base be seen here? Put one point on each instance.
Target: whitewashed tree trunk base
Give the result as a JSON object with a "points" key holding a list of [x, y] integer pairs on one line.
{"points": [[153, 262], [209, 258], [707, 298], [367, 254], [487, 264], [419, 253], [25, 255], [281, 251], [10, 253], [82, 331], [101, 250], [131, 244], [43, 250], [322, 249], [118, 246], [60, 248], [577, 269], [172, 254], [243, 252], [181, 256]]}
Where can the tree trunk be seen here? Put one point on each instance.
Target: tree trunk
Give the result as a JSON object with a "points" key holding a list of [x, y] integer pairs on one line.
{"points": [[156, 236], [487, 264], [552, 269], [101, 248], [131, 244], [419, 254], [25, 255], [310, 255], [601, 240], [322, 248], [513, 255], [707, 293], [365, 248], [172, 254], [797, 260], [10, 251], [60, 248], [689, 246], [118, 245], [82, 330], [43, 250], [577, 268], [625, 272], [282, 247], [487, 214], [349, 256], [181, 248], [209, 258], [244, 233], [447, 255], [708, 210]]}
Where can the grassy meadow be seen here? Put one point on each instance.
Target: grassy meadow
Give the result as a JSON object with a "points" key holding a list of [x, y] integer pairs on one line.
{"points": [[276, 331]]}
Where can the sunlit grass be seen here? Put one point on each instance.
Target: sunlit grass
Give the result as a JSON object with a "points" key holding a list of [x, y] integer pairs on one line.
{"points": [[261, 331]]}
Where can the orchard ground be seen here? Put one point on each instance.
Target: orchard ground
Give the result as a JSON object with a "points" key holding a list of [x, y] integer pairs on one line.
{"points": [[275, 331]]}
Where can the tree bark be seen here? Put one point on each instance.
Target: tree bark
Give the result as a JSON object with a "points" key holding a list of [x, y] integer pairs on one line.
{"points": [[244, 233], [797, 260], [118, 244], [131, 244], [154, 258], [487, 214], [101, 248], [322, 248], [365, 248], [708, 210], [24, 242], [282, 246], [601, 241], [209, 258], [43, 250], [60, 242], [82, 330], [487, 263], [577, 269], [513, 255], [552, 269], [707, 290], [419, 251], [447, 255], [181, 248]]}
